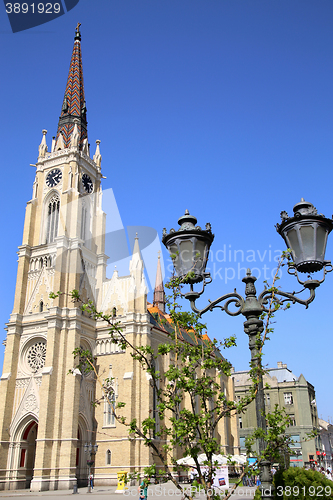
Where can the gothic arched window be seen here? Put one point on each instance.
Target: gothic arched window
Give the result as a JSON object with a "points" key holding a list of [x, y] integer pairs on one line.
{"points": [[109, 409], [86, 223], [52, 219], [108, 457]]}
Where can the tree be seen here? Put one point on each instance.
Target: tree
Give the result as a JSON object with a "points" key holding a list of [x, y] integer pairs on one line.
{"points": [[189, 402]]}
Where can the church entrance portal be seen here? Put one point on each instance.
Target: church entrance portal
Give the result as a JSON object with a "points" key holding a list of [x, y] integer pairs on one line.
{"points": [[23, 456]]}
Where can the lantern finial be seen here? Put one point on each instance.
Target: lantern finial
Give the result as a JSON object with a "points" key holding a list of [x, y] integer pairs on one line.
{"points": [[187, 221], [304, 208]]}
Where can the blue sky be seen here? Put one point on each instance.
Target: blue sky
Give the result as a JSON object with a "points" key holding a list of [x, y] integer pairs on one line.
{"points": [[223, 107]]}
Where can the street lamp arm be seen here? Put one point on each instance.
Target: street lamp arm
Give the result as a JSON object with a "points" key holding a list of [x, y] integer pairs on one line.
{"points": [[230, 298], [267, 295]]}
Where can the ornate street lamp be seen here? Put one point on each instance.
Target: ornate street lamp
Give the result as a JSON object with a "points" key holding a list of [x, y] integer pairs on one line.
{"points": [[189, 248], [305, 234], [92, 450]]}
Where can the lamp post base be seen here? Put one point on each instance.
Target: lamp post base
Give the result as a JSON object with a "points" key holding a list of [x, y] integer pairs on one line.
{"points": [[266, 478]]}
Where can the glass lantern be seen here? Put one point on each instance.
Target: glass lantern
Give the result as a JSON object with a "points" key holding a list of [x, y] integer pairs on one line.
{"points": [[189, 248], [306, 235]]}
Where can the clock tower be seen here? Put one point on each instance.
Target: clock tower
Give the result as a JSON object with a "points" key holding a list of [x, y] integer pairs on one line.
{"points": [[46, 415], [62, 249]]}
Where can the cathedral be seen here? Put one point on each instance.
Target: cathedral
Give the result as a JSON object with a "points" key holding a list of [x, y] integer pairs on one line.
{"points": [[46, 415]]}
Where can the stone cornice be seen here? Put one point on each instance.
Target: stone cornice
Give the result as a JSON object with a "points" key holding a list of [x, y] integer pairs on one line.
{"points": [[67, 155], [102, 259], [62, 242], [24, 250]]}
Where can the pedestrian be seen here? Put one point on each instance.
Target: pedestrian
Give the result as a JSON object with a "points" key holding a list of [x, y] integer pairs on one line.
{"points": [[328, 474], [91, 481], [143, 488], [192, 475]]}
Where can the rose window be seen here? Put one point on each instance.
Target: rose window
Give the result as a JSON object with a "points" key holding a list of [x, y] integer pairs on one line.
{"points": [[36, 356]]}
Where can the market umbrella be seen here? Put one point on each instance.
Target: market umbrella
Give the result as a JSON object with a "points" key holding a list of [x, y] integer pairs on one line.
{"points": [[186, 461]]}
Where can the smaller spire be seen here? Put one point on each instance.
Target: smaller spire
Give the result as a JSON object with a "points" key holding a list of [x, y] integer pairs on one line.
{"points": [[136, 248], [75, 134], [42, 149], [159, 294], [97, 156], [59, 143], [136, 262]]}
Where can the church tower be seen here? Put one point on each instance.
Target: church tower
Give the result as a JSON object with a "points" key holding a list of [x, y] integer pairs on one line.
{"points": [[62, 249], [46, 415]]}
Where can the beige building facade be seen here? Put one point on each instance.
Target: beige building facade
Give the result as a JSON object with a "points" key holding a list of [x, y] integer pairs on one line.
{"points": [[46, 415]]}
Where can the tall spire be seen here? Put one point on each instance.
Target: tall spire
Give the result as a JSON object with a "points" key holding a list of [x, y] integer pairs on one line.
{"points": [[74, 104], [159, 295]]}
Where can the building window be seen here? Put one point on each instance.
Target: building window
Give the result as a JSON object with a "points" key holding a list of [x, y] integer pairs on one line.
{"points": [[52, 219], [297, 456], [41, 306], [109, 418], [292, 420], [240, 422], [242, 443], [114, 312], [267, 399], [288, 398], [108, 457], [296, 441], [36, 355]]}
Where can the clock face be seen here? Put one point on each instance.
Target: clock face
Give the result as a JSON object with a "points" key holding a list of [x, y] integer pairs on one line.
{"points": [[53, 177], [87, 183]]}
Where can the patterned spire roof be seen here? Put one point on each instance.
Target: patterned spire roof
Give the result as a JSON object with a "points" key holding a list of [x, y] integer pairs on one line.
{"points": [[159, 295], [74, 104]]}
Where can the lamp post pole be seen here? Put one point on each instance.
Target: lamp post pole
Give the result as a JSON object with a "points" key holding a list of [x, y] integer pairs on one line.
{"points": [[305, 234], [252, 327], [92, 450]]}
